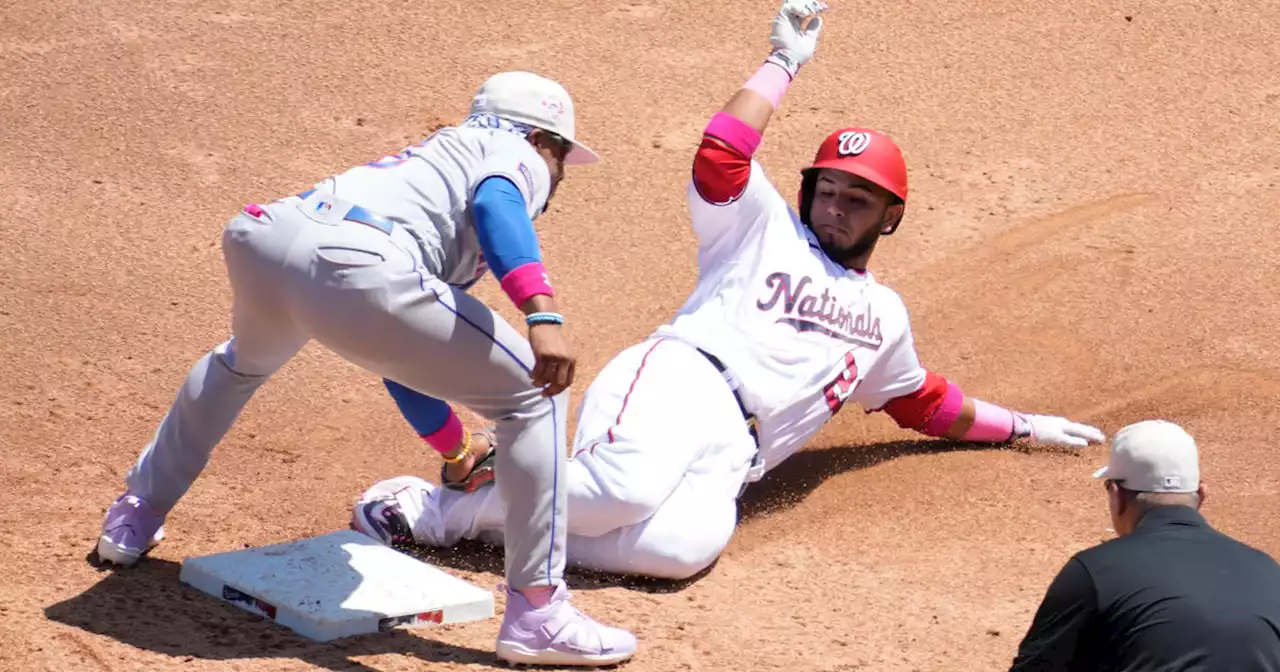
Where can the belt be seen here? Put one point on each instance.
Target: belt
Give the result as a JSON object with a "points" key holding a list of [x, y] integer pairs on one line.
{"points": [[358, 215], [756, 470]]}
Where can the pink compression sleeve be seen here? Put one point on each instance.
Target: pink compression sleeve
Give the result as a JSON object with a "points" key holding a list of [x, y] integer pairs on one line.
{"points": [[947, 412], [770, 81], [734, 132], [448, 437], [526, 281], [992, 423]]}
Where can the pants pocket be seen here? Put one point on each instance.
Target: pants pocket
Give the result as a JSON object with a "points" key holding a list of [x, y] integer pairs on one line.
{"points": [[342, 258]]}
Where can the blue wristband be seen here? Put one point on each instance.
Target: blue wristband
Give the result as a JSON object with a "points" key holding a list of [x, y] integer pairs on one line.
{"points": [[544, 318]]}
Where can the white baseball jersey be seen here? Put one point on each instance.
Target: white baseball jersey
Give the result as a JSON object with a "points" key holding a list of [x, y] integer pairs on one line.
{"points": [[428, 188], [801, 334]]}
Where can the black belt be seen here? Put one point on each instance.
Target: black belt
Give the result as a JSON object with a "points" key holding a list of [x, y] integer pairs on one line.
{"points": [[753, 426]]}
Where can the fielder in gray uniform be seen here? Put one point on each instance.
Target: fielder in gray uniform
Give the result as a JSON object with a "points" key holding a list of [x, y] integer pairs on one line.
{"points": [[374, 264]]}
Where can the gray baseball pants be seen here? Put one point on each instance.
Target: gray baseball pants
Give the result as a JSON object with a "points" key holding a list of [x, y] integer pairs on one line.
{"points": [[300, 271]]}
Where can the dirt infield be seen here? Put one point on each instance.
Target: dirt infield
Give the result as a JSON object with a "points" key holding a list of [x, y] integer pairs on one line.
{"points": [[1091, 232]]}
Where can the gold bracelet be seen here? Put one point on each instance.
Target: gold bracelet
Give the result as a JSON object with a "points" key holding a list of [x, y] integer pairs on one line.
{"points": [[462, 454]]}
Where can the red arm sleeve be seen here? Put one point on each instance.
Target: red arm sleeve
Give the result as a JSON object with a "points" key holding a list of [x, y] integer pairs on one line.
{"points": [[915, 410], [720, 173]]}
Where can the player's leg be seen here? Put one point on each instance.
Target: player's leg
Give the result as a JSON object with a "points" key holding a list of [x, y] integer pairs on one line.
{"points": [[654, 413], [448, 345], [658, 432], [426, 415], [211, 398], [384, 313], [663, 449], [683, 537], [639, 429]]}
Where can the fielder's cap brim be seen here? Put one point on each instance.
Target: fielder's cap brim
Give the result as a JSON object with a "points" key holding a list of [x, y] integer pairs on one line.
{"points": [[1101, 473], [581, 155]]}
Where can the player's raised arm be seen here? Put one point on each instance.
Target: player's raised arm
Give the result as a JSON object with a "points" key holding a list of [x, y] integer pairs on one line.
{"points": [[794, 42], [722, 165]]}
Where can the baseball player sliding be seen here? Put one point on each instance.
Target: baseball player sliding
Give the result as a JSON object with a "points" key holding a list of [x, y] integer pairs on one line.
{"points": [[785, 327], [373, 263]]}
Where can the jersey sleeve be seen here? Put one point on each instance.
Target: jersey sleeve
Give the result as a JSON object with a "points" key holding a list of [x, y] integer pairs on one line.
{"points": [[516, 160], [898, 371]]}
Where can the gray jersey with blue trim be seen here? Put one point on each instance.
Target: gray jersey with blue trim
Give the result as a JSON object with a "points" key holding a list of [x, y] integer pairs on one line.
{"points": [[428, 188]]}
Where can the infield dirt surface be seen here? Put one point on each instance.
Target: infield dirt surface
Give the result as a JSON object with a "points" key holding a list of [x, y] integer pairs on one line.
{"points": [[1091, 232]]}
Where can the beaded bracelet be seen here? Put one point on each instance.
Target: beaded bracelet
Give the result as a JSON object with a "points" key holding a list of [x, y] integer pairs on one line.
{"points": [[544, 318], [462, 454]]}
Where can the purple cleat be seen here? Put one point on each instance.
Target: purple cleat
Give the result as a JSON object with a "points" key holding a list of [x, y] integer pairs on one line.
{"points": [[559, 634], [130, 530]]}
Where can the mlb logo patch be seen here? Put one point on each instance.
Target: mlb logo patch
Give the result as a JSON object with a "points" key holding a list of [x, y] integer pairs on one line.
{"points": [[554, 107], [1172, 481]]}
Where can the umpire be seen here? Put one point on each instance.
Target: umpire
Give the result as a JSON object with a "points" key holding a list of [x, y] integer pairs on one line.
{"points": [[1170, 593]]}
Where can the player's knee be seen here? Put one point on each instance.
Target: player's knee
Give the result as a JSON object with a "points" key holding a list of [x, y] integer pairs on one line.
{"points": [[684, 554], [685, 560], [530, 405], [688, 566]]}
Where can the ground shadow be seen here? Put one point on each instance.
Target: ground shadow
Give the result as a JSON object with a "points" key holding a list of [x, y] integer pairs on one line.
{"points": [[476, 556], [784, 487], [791, 482], [148, 608]]}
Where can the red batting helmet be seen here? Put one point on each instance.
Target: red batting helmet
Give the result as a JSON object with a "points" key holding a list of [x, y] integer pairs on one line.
{"points": [[864, 152]]}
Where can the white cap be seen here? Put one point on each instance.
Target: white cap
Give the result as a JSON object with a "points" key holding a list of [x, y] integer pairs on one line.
{"points": [[534, 100], [1153, 456]]}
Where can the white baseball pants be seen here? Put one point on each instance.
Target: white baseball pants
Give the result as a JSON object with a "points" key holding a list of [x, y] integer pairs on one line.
{"points": [[660, 455]]}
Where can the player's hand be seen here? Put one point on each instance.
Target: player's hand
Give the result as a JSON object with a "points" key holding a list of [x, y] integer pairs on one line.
{"points": [[1062, 432], [554, 363], [795, 40]]}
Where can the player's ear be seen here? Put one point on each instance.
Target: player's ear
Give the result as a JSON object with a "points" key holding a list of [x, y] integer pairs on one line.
{"points": [[892, 218]]}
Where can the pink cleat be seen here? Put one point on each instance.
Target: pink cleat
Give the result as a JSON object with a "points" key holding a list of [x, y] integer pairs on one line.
{"points": [[130, 530], [559, 634]]}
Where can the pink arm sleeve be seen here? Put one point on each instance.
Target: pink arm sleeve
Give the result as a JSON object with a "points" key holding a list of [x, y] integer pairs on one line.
{"points": [[770, 81], [734, 132], [448, 437], [947, 412], [526, 281], [992, 423]]}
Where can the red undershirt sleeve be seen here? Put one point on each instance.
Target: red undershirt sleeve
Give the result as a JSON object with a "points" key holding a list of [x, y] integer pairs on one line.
{"points": [[720, 173]]}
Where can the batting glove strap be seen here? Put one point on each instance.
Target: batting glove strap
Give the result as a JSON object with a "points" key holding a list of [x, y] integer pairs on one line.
{"points": [[786, 60], [1022, 428]]}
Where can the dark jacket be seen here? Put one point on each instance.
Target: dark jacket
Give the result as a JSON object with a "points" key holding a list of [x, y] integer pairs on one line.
{"points": [[1175, 595]]}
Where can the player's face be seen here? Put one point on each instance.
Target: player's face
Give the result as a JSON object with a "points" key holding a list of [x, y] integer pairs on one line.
{"points": [[849, 214], [553, 149]]}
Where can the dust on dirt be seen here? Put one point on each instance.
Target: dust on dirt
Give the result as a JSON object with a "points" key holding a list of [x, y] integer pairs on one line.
{"points": [[1090, 232]]}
